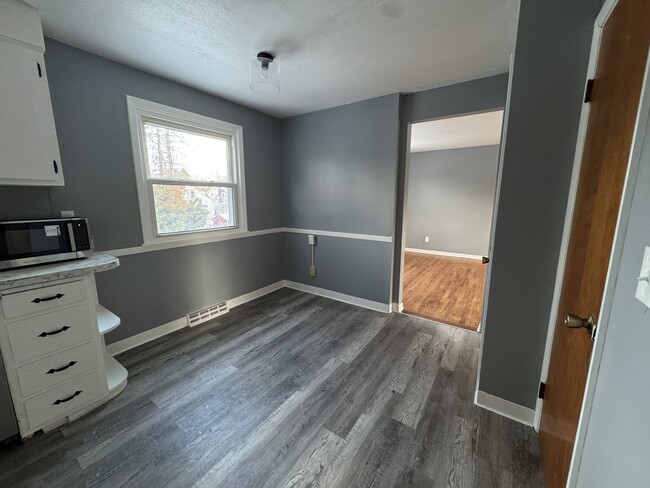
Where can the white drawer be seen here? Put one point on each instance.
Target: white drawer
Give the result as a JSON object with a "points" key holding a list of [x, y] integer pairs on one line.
{"points": [[64, 399], [46, 334], [57, 369], [40, 300]]}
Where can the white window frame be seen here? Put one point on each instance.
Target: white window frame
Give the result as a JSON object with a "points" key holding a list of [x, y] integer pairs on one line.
{"points": [[141, 111]]}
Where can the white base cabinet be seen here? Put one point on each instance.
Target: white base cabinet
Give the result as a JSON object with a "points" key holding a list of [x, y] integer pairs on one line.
{"points": [[51, 338]]}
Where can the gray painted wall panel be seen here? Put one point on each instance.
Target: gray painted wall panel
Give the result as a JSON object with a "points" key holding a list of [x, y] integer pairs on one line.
{"points": [[351, 266], [24, 203], [450, 199], [339, 168], [144, 293], [547, 90], [479, 95]]}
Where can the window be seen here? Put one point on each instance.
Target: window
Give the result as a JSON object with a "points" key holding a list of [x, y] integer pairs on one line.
{"points": [[189, 171]]}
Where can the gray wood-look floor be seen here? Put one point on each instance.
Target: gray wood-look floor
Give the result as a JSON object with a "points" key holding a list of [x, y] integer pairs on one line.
{"points": [[291, 390]]}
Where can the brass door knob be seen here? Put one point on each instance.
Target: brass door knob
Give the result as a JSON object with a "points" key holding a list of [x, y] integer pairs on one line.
{"points": [[575, 322]]}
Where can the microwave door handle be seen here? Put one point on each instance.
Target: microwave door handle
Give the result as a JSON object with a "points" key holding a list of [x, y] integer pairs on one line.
{"points": [[73, 244]]}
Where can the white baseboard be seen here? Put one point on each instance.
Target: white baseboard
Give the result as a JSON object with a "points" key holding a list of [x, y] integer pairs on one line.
{"points": [[162, 330], [538, 414], [443, 253], [341, 297], [146, 336], [260, 292], [506, 408]]}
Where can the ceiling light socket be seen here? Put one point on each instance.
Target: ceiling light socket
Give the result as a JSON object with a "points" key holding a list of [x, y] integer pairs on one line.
{"points": [[265, 58]]}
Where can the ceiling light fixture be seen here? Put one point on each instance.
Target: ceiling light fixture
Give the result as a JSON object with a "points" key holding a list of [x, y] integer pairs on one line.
{"points": [[264, 75]]}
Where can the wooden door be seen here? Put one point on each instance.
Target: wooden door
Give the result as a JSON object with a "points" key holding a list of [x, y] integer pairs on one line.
{"points": [[614, 103]]}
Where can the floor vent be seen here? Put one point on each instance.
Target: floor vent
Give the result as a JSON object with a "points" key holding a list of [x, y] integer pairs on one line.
{"points": [[200, 316]]}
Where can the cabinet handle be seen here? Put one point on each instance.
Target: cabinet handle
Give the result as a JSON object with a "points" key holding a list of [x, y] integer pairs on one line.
{"points": [[62, 329], [40, 72], [76, 393], [55, 297], [56, 167], [62, 368]]}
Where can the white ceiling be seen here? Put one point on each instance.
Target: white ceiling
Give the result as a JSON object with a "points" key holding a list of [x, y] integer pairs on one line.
{"points": [[453, 133], [330, 52]]}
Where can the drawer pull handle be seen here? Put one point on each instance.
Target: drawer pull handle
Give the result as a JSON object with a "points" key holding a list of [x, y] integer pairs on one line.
{"points": [[55, 297], [62, 368], [62, 329], [76, 393]]}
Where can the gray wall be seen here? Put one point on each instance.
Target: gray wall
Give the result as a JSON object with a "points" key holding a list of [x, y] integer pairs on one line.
{"points": [[88, 98], [482, 95], [351, 266], [450, 199], [546, 99], [145, 292], [24, 203], [616, 448], [339, 170]]}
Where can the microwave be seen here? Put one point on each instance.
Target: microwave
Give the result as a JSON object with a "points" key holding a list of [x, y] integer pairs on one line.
{"points": [[31, 242]]}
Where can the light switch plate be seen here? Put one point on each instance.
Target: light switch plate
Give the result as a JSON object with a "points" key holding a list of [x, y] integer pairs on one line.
{"points": [[643, 287]]}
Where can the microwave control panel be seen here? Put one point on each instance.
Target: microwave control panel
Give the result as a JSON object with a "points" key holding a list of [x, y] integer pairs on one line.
{"points": [[81, 236]]}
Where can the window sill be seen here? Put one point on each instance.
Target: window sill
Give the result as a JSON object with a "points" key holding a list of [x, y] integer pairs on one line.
{"points": [[171, 242]]}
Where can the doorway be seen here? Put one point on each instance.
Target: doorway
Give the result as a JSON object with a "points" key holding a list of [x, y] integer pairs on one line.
{"points": [[449, 202]]}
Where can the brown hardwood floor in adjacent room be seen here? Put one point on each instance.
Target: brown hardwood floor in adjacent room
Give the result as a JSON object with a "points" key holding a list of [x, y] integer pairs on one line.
{"points": [[290, 390], [445, 289]]}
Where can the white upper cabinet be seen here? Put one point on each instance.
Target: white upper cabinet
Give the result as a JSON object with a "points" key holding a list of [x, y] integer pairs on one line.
{"points": [[29, 150]]}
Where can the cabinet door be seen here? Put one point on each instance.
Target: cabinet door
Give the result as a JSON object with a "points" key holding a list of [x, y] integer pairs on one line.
{"points": [[29, 152]]}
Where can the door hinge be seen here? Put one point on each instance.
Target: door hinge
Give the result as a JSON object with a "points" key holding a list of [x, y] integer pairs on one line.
{"points": [[40, 72], [542, 390], [589, 90]]}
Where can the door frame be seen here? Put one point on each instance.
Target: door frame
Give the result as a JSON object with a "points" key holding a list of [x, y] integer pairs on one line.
{"points": [[643, 114], [399, 305]]}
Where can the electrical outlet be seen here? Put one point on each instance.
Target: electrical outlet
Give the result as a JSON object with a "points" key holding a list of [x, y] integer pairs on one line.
{"points": [[643, 286], [426, 238], [312, 271]]}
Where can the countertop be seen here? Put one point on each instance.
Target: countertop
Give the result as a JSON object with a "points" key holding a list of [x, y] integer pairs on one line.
{"points": [[68, 269]]}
